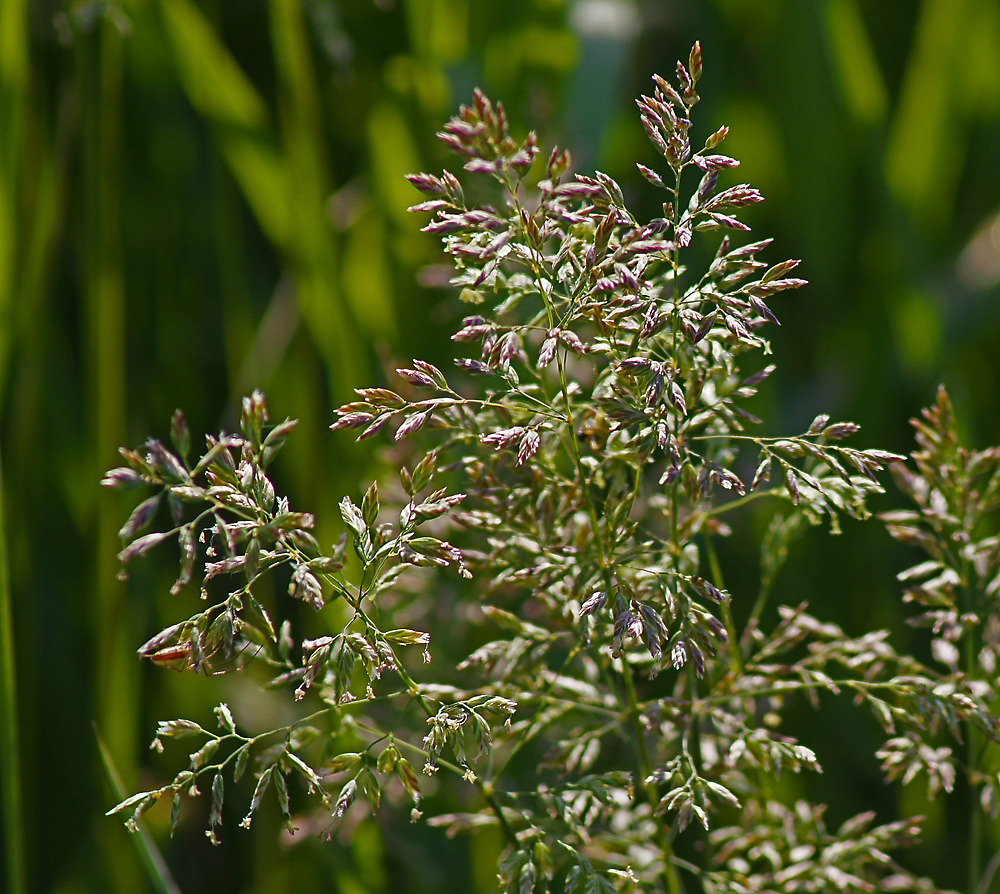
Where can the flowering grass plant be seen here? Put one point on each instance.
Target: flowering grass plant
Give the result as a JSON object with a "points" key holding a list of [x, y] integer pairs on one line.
{"points": [[561, 493]]}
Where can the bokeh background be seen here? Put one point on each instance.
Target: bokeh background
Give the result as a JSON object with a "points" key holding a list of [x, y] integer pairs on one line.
{"points": [[199, 198]]}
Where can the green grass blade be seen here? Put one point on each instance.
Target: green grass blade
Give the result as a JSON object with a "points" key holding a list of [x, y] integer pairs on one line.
{"points": [[222, 93], [115, 676], [312, 253], [13, 91], [927, 140], [855, 62], [13, 105], [152, 860], [10, 766], [286, 189]]}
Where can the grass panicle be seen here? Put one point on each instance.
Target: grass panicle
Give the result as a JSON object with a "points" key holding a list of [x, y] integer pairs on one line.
{"points": [[618, 708]]}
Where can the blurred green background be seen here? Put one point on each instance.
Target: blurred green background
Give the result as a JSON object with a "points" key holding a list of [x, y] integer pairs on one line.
{"points": [[199, 198]]}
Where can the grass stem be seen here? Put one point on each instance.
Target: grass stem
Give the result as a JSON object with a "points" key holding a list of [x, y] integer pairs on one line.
{"points": [[645, 768], [10, 765], [156, 867]]}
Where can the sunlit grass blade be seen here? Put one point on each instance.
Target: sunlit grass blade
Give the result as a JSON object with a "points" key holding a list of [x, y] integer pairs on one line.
{"points": [[287, 189], [320, 297], [13, 104], [152, 860], [926, 141], [861, 82], [103, 292], [13, 93], [222, 93]]}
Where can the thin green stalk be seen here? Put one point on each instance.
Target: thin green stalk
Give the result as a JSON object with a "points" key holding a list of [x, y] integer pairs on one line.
{"points": [[669, 870], [722, 508], [759, 604], [156, 867], [10, 769], [675, 262], [789, 686], [649, 789], [975, 813], [973, 745], [486, 790], [989, 872], [735, 654], [527, 735], [727, 613], [645, 767]]}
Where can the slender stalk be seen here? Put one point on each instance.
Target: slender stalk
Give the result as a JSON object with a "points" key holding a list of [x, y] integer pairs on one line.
{"points": [[669, 871], [10, 768], [156, 867], [975, 813], [533, 727], [675, 264], [485, 789], [727, 613], [860, 686], [989, 872], [759, 604], [645, 766], [722, 508], [973, 744], [649, 789]]}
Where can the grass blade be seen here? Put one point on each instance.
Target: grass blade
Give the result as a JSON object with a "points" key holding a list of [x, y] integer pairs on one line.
{"points": [[10, 765], [156, 867], [13, 90], [115, 680], [312, 255]]}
